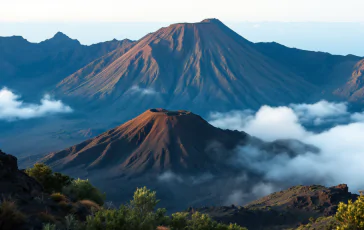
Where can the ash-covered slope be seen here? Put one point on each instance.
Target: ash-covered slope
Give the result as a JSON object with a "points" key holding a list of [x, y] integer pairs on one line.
{"points": [[154, 142], [191, 65]]}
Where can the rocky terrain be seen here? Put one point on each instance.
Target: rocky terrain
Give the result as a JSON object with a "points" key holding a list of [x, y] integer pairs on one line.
{"points": [[24, 204], [287, 209]]}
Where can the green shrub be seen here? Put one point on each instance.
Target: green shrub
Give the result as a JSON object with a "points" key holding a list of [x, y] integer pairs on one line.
{"points": [[49, 227], [46, 217], [179, 220], [10, 216], [144, 201], [51, 182], [201, 221], [84, 190], [351, 216], [71, 223]]}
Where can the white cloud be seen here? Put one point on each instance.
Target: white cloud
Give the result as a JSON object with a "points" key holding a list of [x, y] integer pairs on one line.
{"points": [[268, 123], [358, 117], [12, 108], [169, 176], [143, 91], [341, 155], [320, 111]]}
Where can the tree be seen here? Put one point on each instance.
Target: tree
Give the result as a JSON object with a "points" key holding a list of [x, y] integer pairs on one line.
{"points": [[351, 215], [51, 182], [144, 201], [84, 190]]}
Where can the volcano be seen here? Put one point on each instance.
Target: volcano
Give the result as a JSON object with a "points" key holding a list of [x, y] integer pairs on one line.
{"points": [[154, 142], [177, 153], [198, 66]]}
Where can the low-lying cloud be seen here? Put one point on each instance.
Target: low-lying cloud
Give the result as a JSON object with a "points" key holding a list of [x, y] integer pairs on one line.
{"points": [[142, 91], [13, 108], [341, 155]]}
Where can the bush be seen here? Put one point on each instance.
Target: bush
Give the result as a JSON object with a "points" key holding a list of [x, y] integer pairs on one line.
{"points": [[90, 205], [51, 182], [84, 190], [141, 214], [10, 216], [144, 201], [351, 216], [58, 197], [201, 221], [46, 218], [179, 220], [198, 221], [49, 227], [71, 223]]}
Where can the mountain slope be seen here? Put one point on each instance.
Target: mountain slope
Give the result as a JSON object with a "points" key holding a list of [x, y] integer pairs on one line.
{"points": [[156, 141], [192, 65], [353, 89], [177, 153], [318, 68], [47, 62], [285, 209]]}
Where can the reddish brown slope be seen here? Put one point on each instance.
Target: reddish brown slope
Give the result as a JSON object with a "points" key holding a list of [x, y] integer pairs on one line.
{"points": [[190, 64], [353, 89], [154, 142]]}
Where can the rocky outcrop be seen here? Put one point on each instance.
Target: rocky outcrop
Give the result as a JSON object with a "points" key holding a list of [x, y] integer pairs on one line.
{"points": [[284, 209], [32, 205]]}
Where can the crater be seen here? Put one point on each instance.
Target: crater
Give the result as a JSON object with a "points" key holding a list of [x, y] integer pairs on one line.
{"points": [[170, 112]]}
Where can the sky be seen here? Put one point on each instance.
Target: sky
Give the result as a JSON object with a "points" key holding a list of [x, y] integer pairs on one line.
{"points": [[333, 26], [187, 10]]}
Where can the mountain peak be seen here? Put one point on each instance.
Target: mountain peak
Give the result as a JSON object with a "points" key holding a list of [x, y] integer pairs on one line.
{"points": [[60, 35], [61, 39], [211, 20], [156, 141]]}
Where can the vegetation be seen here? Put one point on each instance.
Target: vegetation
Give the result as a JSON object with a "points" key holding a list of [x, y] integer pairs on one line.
{"points": [[324, 223], [51, 182], [58, 197], [10, 216], [84, 190], [140, 214], [351, 216]]}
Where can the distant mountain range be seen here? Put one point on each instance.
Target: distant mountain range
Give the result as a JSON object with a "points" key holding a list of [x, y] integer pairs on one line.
{"points": [[201, 67], [33, 68]]}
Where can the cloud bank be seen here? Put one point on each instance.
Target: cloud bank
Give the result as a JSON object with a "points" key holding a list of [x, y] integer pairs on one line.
{"points": [[341, 155], [12, 108]]}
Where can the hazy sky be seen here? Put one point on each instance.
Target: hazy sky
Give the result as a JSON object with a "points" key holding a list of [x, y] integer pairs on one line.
{"points": [[333, 26], [186, 10]]}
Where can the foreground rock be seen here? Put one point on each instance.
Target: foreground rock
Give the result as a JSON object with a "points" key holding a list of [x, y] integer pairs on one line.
{"points": [[23, 203]]}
